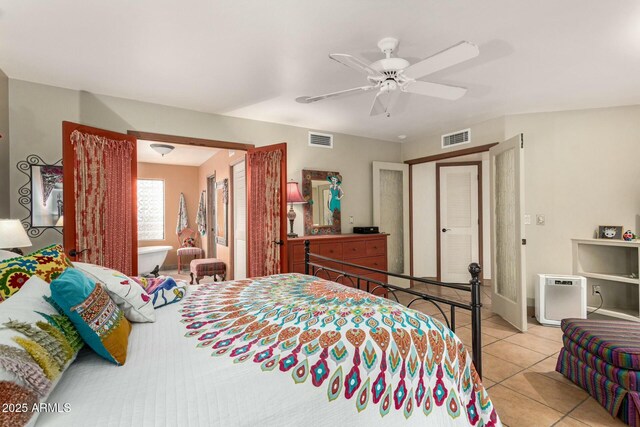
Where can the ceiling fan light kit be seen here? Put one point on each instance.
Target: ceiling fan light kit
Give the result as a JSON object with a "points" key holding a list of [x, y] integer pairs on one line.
{"points": [[391, 76]]}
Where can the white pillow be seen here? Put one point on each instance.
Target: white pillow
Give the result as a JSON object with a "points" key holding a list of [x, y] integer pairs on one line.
{"points": [[7, 255], [29, 306], [126, 293]]}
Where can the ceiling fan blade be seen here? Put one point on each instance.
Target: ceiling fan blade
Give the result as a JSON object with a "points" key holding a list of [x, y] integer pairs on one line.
{"points": [[436, 90], [461, 52], [310, 99], [384, 102], [354, 63]]}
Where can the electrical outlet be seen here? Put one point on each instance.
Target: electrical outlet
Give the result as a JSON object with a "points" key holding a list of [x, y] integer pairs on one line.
{"points": [[595, 289], [527, 219], [540, 220], [350, 220]]}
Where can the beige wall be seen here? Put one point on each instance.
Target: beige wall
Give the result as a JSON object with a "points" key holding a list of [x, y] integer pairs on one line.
{"points": [[5, 164], [220, 166], [36, 113], [177, 179], [580, 171]]}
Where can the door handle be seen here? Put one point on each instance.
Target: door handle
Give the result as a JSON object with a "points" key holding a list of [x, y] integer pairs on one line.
{"points": [[279, 242], [444, 230], [74, 253]]}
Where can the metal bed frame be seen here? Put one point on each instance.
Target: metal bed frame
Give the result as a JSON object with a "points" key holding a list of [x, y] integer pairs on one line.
{"points": [[314, 268]]}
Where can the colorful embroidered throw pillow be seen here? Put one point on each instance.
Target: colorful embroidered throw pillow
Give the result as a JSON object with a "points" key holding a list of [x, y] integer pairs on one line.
{"points": [[47, 264], [163, 290], [98, 319], [37, 343], [128, 294]]}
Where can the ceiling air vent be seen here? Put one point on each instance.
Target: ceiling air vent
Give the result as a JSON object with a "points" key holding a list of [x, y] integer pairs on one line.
{"points": [[456, 138], [320, 140]]}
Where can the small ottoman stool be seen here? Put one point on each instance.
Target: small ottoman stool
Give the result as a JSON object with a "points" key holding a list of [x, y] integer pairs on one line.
{"points": [[603, 357], [207, 267]]}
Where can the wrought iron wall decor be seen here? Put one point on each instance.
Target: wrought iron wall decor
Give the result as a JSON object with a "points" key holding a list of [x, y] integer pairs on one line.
{"points": [[49, 188]]}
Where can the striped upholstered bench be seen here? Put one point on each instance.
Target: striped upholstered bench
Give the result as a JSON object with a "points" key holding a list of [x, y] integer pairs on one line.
{"points": [[603, 357], [213, 267]]}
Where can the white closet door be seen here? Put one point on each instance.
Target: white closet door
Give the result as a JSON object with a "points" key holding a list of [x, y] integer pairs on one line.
{"points": [[459, 222], [509, 293], [239, 221], [391, 214]]}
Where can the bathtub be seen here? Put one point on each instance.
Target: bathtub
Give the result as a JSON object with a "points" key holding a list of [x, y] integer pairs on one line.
{"points": [[150, 256]]}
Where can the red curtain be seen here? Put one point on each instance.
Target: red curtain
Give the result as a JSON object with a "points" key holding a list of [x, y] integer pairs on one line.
{"points": [[103, 200], [265, 212]]}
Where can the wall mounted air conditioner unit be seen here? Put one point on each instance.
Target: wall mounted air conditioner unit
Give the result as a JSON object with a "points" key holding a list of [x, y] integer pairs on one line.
{"points": [[560, 297]]}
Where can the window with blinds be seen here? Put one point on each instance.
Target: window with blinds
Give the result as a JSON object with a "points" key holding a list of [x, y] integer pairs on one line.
{"points": [[150, 209]]}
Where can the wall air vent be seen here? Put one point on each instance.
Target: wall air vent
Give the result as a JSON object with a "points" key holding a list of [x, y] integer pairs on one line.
{"points": [[456, 138], [323, 140]]}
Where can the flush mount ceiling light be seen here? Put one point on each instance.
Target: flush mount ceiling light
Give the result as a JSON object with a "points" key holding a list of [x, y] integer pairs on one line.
{"points": [[162, 148]]}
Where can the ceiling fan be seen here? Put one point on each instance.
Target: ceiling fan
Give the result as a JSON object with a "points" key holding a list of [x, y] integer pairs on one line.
{"points": [[392, 76]]}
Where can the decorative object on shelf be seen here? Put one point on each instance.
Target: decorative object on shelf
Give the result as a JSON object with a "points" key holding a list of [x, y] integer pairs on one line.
{"points": [[629, 236], [222, 205], [612, 232], [323, 192], [41, 195], [293, 197], [162, 149], [13, 236]]}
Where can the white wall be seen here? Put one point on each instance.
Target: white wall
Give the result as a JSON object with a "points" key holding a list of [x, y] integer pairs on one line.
{"points": [[580, 171], [37, 111]]}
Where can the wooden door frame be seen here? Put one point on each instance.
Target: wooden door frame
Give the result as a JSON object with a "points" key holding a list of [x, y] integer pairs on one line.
{"points": [[428, 159], [68, 183], [478, 164], [186, 140], [284, 264]]}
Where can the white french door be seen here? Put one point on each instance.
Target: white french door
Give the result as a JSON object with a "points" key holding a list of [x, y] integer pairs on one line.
{"points": [[459, 220], [509, 292], [239, 221], [391, 214]]}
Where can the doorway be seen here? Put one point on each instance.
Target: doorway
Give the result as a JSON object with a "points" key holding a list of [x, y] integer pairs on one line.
{"points": [[211, 214], [458, 219]]}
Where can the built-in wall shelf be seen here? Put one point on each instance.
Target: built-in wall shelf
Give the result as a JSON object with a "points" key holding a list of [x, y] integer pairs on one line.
{"points": [[614, 266]]}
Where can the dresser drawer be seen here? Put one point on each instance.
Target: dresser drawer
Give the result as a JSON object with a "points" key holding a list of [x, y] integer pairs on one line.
{"points": [[297, 251], [331, 250], [355, 249], [375, 247]]}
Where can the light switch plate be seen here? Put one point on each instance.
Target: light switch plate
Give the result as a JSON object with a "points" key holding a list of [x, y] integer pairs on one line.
{"points": [[540, 220], [527, 219]]}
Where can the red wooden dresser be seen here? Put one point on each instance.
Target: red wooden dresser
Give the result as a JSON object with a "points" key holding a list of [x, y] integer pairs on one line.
{"points": [[369, 250]]}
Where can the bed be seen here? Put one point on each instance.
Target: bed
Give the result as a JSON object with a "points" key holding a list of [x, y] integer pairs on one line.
{"points": [[280, 350]]}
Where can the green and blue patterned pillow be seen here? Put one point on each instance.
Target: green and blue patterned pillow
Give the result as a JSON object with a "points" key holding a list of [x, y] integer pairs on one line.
{"points": [[98, 319], [47, 264]]}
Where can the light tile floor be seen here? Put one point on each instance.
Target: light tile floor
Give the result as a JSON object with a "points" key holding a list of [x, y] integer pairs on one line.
{"points": [[519, 370]]}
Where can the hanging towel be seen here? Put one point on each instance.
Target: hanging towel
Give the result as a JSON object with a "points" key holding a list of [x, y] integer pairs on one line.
{"points": [[201, 217], [183, 221]]}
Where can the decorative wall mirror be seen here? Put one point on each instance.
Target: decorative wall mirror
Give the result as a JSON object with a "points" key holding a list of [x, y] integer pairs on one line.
{"points": [[41, 195], [222, 205], [323, 192]]}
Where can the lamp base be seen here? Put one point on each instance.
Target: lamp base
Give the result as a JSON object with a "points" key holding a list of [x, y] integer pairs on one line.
{"points": [[292, 235], [292, 216]]}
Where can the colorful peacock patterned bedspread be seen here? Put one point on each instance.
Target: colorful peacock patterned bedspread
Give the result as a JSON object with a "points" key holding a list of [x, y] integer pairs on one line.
{"points": [[348, 343]]}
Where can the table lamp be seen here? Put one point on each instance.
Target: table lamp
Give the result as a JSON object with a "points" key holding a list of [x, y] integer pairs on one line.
{"points": [[293, 197], [13, 236]]}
